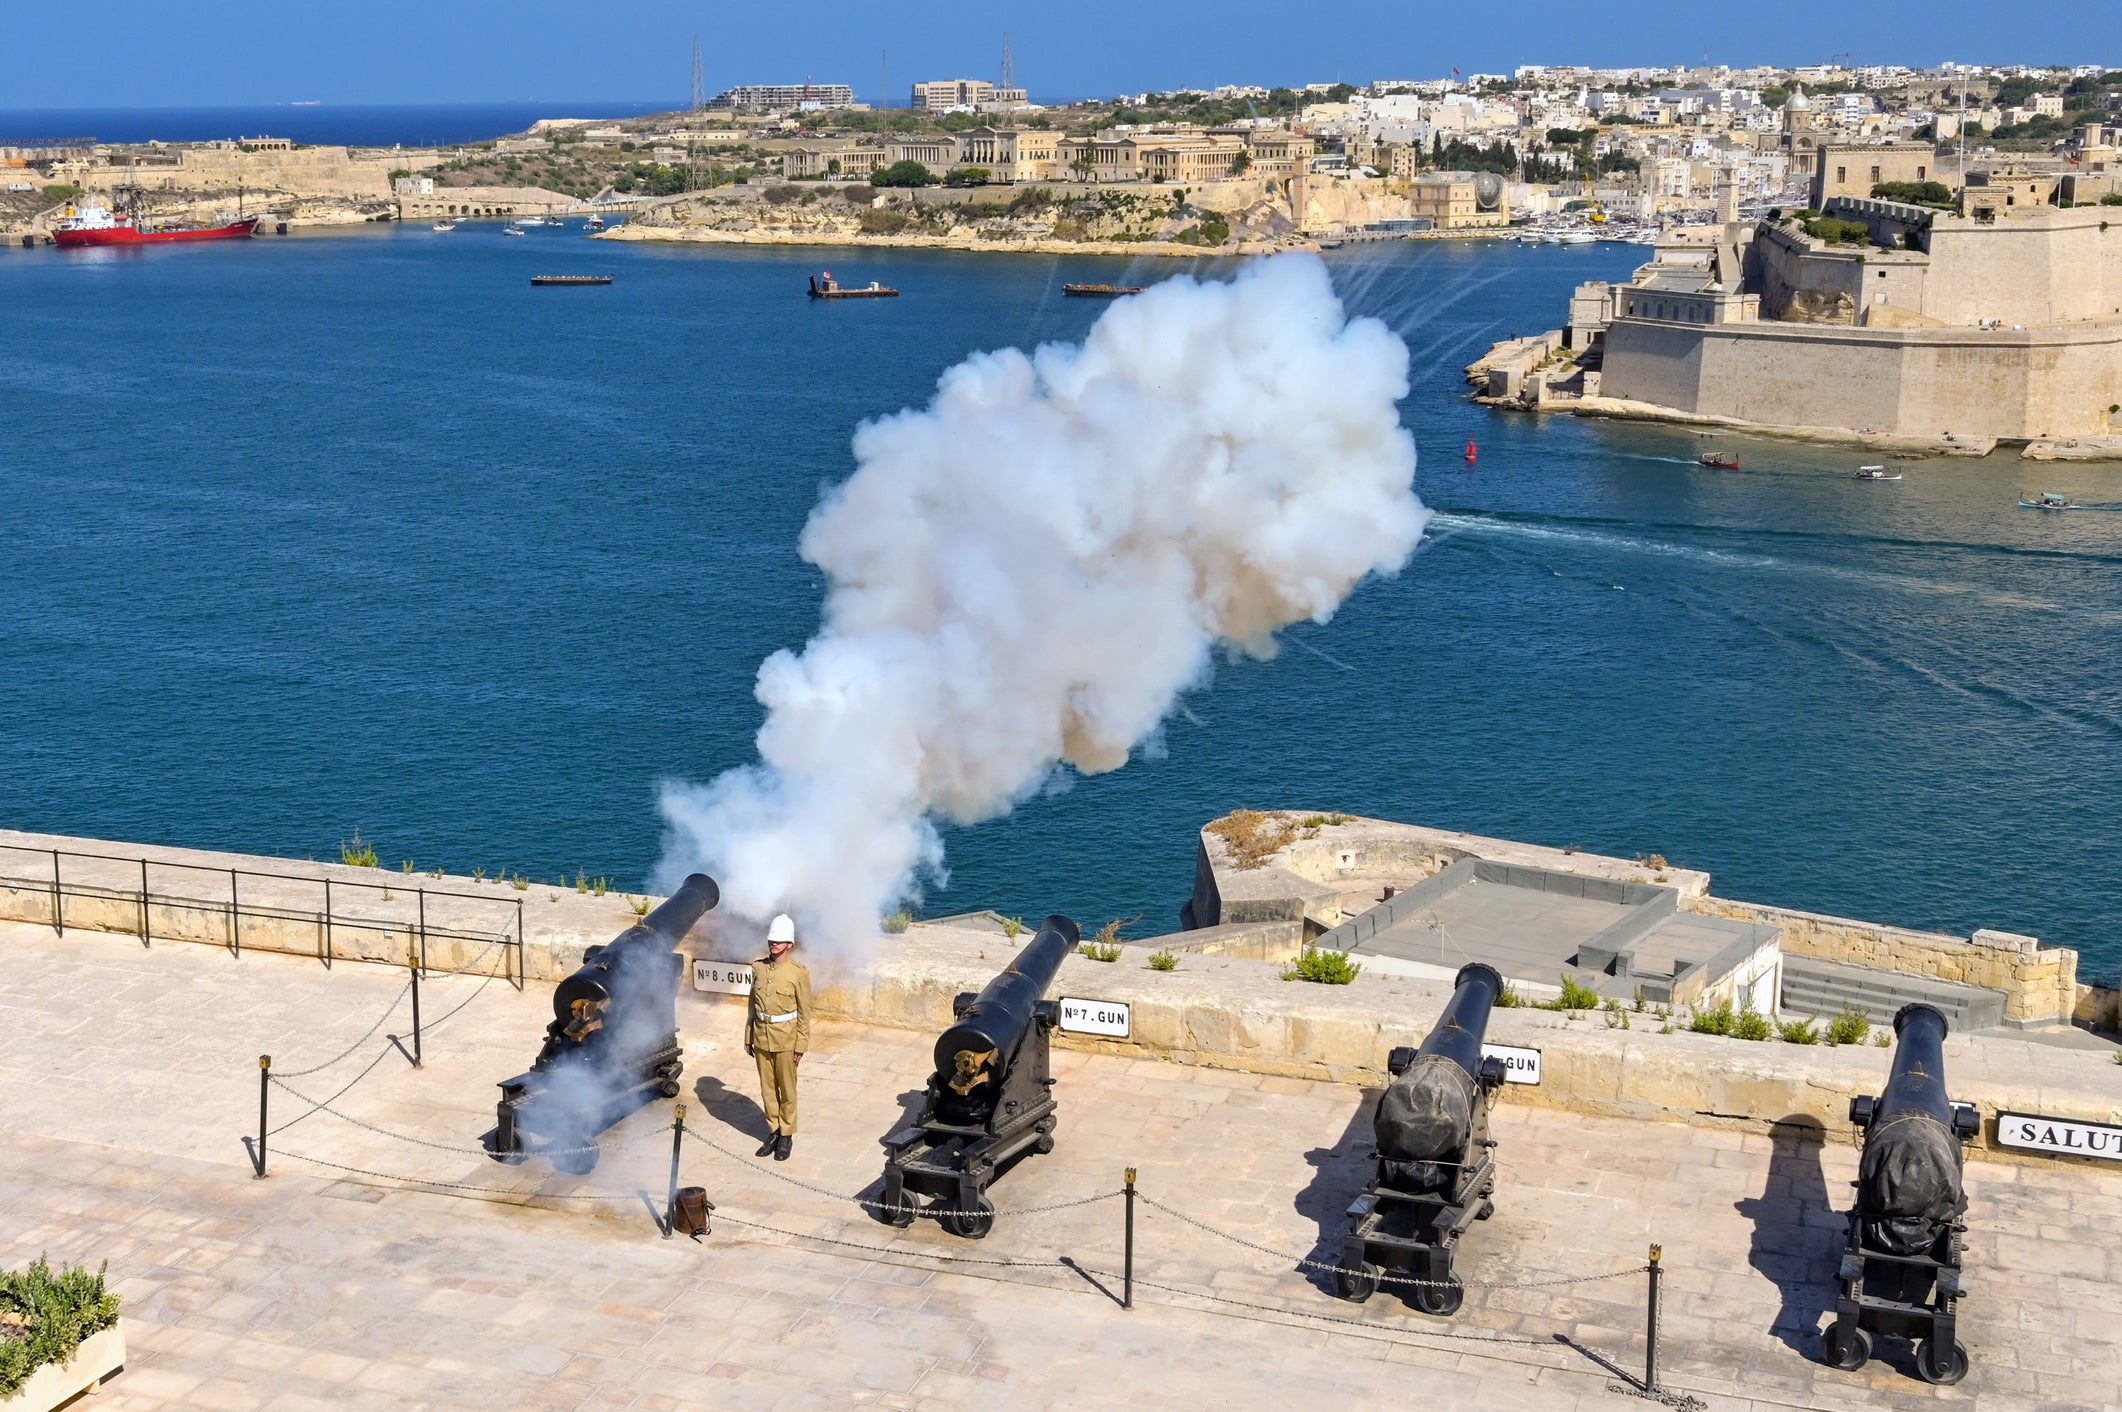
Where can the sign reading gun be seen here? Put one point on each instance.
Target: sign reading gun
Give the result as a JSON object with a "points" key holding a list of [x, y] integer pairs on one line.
{"points": [[1110, 1018], [723, 977], [2059, 1136]]}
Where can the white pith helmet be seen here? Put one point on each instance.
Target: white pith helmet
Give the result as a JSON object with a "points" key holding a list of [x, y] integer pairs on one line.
{"points": [[782, 928]]}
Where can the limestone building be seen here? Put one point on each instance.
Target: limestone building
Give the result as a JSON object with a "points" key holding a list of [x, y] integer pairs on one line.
{"points": [[2002, 318], [1852, 169]]}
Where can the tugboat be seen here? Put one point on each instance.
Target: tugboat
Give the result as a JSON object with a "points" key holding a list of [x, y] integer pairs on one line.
{"points": [[824, 286], [93, 224], [2049, 501], [1100, 291], [1718, 462], [1876, 473]]}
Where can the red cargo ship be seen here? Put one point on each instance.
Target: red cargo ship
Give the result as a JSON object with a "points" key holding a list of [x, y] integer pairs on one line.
{"points": [[91, 224]]}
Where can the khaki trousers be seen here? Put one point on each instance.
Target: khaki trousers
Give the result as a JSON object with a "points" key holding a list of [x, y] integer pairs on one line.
{"points": [[777, 1089]]}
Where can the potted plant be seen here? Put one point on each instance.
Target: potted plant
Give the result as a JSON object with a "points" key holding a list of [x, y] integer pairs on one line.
{"points": [[59, 1336]]}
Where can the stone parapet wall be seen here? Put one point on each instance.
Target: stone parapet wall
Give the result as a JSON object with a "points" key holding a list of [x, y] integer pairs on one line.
{"points": [[1239, 1014], [2039, 982]]}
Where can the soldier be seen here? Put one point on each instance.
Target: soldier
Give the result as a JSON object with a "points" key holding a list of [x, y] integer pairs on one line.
{"points": [[777, 1032]]}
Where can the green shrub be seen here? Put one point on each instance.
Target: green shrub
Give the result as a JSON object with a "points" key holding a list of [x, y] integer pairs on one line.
{"points": [[1013, 927], [1919, 193], [1324, 967], [1163, 961], [1799, 1031], [1882, 1040], [1751, 1024], [1508, 998], [639, 904], [898, 921], [1101, 951], [1574, 997], [881, 222], [357, 852], [907, 173], [1717, 1021], [54, 1310], [1848, 1027]]}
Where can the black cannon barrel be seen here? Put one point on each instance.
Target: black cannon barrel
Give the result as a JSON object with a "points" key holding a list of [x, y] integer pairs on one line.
{"points": [[1459, 1030], [997, 1018], [1425, 1116], [1918, 1078], [627, 961], [1908, 1180], [680, 912]]}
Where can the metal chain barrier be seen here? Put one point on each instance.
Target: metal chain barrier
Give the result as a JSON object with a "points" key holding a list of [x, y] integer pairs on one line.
{"points": [[453, 1148], [881, 1207], [381, 1055], [462, 1186], [1384, 1278], [903, 1250], [392, 1008]]}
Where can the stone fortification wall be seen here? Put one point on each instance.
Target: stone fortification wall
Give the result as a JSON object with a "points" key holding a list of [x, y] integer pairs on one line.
{"points": [[2056, 266], [2040, 983], [303, 171], [2013, 384]]}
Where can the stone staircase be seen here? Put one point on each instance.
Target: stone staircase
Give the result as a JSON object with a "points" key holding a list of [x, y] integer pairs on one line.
{"points": [[1812, 986]]}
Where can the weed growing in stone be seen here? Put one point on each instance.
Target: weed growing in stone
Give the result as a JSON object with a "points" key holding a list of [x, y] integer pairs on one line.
{"points": [[520, 883], [1097, 951], [1848, 1027], [1013, 927], [1882, 1040], [898, 921], [1573, 997], [1324, 967], [357, 852], [1167, 961], [408, 865], [1508, 998], [1799, 1031], [639, 904], [478, 875], [1253, 836], [1751, 1024], [1717, 1021]]}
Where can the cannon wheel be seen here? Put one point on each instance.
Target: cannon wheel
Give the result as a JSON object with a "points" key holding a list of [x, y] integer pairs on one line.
{"points": [[972, 1222], [1847, 1355], [898, 1212], [1441, 1299], [1045, 1142], [1356, 1282], [667, 1078], [1943, 1366], [577, 1163]]}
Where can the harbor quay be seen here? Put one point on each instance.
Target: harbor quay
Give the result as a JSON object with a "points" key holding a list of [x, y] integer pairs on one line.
{"points": [[353, 1235]]}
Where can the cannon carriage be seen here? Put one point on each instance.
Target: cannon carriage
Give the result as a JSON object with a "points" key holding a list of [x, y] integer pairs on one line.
{"points": [[990, 1100], [612, 1045], [1436, 1171], [1900, 1271]]}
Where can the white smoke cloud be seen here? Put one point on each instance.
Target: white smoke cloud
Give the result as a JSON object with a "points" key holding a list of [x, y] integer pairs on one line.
{"points": [[1030, 570]]}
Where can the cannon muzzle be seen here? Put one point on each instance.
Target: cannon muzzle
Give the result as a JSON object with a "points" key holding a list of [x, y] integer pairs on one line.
{"points": [[1426, 1114], [1908, 1180], [973, 1056]]}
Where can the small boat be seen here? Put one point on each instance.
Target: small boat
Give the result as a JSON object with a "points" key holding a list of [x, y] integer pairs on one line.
{"points": [[1471, 453], [1100, 291], [824, 286], [594, 223], [1876, 473], [1575, 237], [543, 280], [445, 225], [2049, 502], [1717, 462]]}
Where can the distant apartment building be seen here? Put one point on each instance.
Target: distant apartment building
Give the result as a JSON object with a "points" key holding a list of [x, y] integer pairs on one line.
{"points": [[1184, 154], [852, 162], [1459, 200], [1011, 154], [785, 95], [940, 95]]}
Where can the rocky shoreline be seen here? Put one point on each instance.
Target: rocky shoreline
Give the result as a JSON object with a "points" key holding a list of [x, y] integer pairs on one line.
{"points": [[1008, 245]]}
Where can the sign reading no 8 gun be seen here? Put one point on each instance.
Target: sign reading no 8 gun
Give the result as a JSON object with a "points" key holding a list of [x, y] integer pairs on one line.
{"points": [[723, 977]]}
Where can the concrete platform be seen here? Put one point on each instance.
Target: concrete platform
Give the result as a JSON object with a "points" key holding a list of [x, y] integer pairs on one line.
{"points": [[128, 1077]]}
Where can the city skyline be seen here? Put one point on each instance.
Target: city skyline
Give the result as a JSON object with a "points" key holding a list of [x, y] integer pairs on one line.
{"points": [[250, 53]]}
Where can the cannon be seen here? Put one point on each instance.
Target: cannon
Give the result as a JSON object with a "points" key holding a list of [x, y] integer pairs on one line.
{"points": [[1436, 1163], [1901, 1267], [989, 1101], [612, 1045]]}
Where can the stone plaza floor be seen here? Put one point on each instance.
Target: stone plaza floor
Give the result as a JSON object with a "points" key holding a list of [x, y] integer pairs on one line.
{"points": [[128, 1080]]}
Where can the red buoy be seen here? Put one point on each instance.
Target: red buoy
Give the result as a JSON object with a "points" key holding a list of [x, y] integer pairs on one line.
{"points": [[1470, 454]]}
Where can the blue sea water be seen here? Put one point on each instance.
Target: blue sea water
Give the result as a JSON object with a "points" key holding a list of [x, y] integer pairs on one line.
{"points": [[328, 532], [349, 124]]}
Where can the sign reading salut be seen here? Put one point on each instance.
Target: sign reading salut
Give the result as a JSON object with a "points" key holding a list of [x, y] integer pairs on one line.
{"points": [[2060, 1136], [723, 977], [1520, 1066], [1110, 1018]]}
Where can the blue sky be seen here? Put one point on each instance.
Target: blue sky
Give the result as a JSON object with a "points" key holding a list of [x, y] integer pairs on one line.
{"points": [[124, 53]]}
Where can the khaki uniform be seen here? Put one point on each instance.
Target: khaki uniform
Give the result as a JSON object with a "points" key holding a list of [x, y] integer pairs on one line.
{"points": [[778, 1029]]}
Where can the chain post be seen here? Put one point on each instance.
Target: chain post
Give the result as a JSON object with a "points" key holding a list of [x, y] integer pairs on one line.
{"points": [[265, 1084], [235, 916], [1650, 1342], [412, 961], [670, 1205], [143, 904], [1127, 1262], [58, 896]]}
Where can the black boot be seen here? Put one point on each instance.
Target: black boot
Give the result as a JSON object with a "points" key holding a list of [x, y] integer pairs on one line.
{"points": [[766, 1148], [785, 1145]]}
